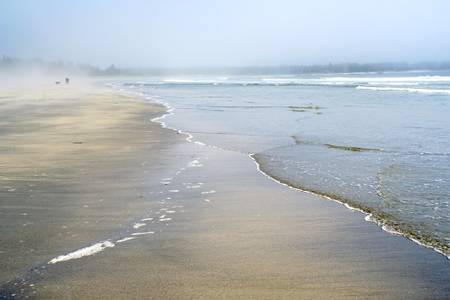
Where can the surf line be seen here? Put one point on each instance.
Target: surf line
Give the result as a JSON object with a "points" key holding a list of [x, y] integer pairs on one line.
{"points": [[368, 216]]}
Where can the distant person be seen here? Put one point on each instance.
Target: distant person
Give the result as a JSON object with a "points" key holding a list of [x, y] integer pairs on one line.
{"points": [[67, 80]]}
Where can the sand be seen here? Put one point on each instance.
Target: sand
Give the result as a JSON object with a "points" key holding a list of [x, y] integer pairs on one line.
{"points": [[74, 162], [134, 211]]}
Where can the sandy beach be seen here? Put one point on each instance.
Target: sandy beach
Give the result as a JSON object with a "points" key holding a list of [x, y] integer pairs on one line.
{"points": [[158, 217]]}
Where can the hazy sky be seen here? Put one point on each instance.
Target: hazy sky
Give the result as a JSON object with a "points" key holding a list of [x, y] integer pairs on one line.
{"points": [[172, 33]]}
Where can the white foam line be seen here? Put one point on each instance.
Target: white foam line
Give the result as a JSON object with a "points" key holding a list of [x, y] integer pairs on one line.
{"points": [[387, 228], [138, 225], [425, 78], [193, 186], [369, 217], [87, 251], [194, 163], [170, 112], [165, 219], [208, 192], [147, 219], [142, 233], [174, 191], [129, 238], [398, 89]]}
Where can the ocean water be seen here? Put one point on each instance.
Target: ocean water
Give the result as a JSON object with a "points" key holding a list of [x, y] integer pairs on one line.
{"points": [[378, 142]]}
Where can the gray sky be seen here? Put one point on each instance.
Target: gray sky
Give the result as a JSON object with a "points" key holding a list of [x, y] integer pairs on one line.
{"points": [[169, 33]]}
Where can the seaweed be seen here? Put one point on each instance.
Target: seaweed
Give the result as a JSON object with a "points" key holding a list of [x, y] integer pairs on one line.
{"points": [[304, 108], [351, 148], [310, 106]]}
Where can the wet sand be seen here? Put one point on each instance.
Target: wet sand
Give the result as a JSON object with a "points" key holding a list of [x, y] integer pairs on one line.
{"points": [[75, 163], [84, 165]]}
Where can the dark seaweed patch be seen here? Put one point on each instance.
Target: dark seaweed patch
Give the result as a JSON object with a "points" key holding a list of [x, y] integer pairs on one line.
{"points": [[351, 148], [304, 108]]}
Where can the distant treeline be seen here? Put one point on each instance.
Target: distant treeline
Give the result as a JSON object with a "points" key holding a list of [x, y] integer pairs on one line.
{"points": [[11, 64], [16, 65], [367, 67]]}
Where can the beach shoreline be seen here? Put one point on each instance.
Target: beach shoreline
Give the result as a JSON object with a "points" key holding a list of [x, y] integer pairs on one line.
{"points": [[389, 225], [385, 224], [206, 231]]}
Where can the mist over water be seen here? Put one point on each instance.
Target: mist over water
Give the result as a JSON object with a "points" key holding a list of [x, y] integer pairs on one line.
{"points": [[370, 140]]}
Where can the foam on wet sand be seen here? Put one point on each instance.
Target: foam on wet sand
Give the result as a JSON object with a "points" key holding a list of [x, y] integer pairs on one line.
{"points": [[87, 251], [303, 247]]}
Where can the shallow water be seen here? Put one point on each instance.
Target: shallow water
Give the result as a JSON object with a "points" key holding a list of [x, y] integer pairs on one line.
{"points": [[380, 142]]}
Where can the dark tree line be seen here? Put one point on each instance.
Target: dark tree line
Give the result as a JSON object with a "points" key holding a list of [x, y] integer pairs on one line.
{"points": [[15, 64]]}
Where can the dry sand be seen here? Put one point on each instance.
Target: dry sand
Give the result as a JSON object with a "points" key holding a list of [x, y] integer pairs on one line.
{"points": [[84, 165]]}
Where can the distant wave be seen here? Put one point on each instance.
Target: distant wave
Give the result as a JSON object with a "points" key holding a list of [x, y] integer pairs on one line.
{"points": [[256, 82], [355, 81], [195, 81], [381, 82], [429, 78], [404, 89]]}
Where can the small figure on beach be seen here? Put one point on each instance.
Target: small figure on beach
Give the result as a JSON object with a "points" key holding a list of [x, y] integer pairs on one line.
{"points": [[67, 80]]}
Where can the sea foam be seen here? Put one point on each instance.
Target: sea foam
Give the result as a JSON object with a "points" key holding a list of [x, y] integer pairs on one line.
{"points": [[403, 89], [87, 251]]}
